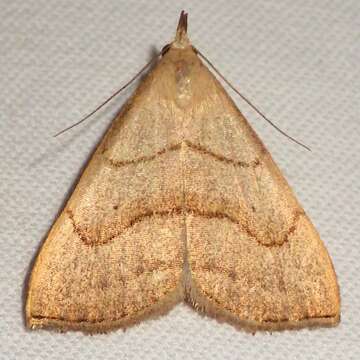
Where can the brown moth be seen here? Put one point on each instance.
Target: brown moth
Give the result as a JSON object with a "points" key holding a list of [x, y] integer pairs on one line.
{"points": [[182, 201]]}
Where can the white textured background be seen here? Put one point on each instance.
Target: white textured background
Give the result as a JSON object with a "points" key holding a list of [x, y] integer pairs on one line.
{"points": [[299, 61]]}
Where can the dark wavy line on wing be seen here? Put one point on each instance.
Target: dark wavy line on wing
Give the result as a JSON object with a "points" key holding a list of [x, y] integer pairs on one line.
{"points": [[167, 213], [195, 147]]}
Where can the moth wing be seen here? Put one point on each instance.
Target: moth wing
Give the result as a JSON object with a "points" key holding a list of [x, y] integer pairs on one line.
{"points": [[116, 252], [253, 255]]}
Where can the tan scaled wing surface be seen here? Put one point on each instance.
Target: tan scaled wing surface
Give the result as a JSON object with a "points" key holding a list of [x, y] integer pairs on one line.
{"points": [[116, 252], [182, 197], [254, 257]]}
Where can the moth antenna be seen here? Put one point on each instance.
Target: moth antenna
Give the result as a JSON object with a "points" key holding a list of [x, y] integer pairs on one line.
{"points": [[115, 93], [248, 101]]}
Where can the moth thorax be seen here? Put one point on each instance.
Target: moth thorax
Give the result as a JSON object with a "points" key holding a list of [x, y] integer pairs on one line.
{"points": [[183, 83]]}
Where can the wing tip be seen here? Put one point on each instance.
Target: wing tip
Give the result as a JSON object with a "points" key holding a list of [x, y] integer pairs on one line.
{"points": [[214, 310], [158, 309], [252, 326]]}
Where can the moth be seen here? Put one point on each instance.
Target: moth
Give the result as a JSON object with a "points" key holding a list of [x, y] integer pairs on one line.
{"points": [[182, 201]]}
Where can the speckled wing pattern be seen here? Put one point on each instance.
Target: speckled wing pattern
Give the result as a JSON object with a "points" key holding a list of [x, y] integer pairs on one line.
{"points": [[182, 201]]}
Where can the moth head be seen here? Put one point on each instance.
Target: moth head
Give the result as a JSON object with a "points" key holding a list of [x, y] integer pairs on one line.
{"points": [[181, 38]]}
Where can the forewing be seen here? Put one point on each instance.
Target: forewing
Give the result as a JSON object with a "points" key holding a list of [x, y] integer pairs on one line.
{"points": [[254, 257], [116, 252]]}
